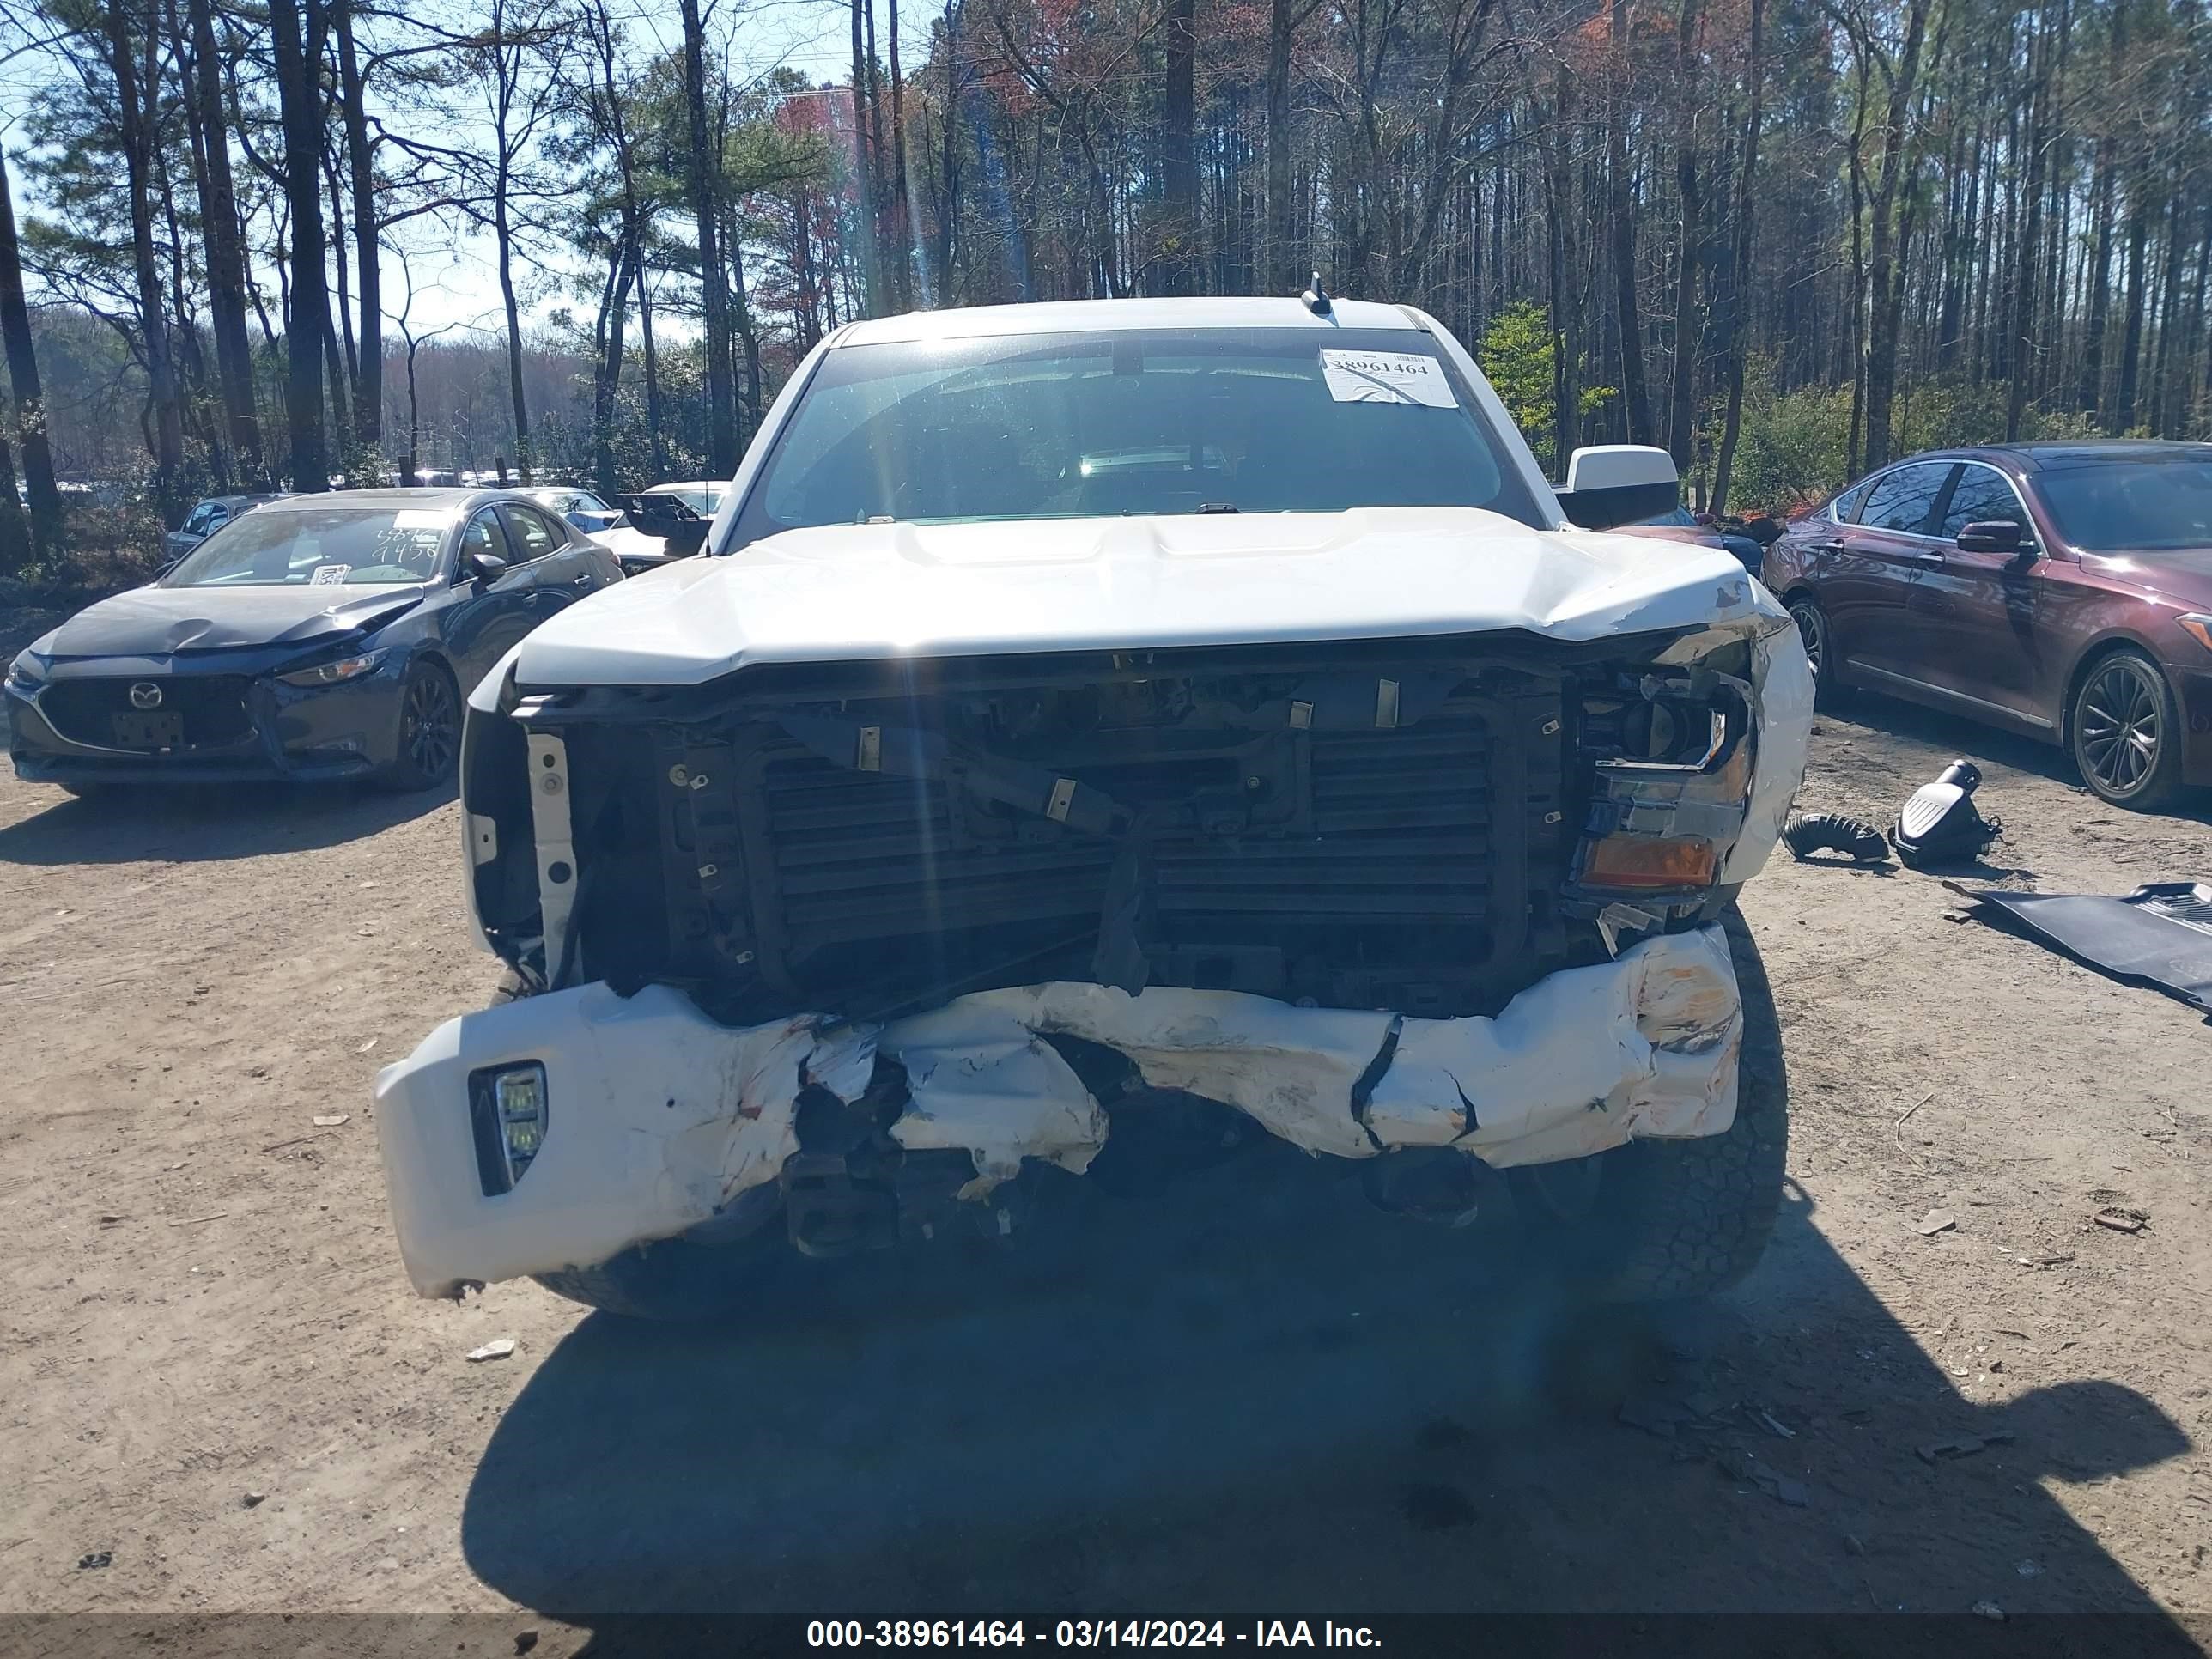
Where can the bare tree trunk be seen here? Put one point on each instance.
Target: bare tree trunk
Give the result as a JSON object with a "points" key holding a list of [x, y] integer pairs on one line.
{"points": [[1739, 334], [2090, 397], [1884, 292], [2026, 262], [1854, 450], [1681, 426], [137, 133], [2124, 407], [864, 163], [414, 476], [224, 242], [706, 208], [607, 378], [1281, 264], [1178, 149], [503, 247], [341, 409], [14, 529], [1636, 399], [1567, 308], [949, 169], [633, 239], [341, 362], [2165, 402], [902, 226], [368, 359], [295, 29], [652, 367], [30, 422], [748, 333]]}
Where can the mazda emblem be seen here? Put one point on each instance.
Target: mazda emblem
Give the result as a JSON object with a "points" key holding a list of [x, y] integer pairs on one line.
{"points": [[145, 695]]}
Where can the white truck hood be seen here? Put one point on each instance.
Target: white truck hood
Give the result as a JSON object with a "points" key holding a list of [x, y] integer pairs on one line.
{"points": [[857, 592]]}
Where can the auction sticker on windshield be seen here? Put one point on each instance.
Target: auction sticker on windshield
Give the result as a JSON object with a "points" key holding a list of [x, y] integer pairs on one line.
{"points": [[1386, 377], [330, 575]]}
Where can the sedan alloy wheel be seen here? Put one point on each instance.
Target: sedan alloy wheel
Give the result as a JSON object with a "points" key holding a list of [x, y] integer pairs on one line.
{"points": [[429, 728], [2122, 729]]}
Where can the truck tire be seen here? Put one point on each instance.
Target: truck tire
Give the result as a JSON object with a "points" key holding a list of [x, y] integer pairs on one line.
{"points": [[1666, 1220]]}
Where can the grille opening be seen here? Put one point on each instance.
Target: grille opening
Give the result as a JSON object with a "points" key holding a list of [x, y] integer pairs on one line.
{"points": [[196, 711]]}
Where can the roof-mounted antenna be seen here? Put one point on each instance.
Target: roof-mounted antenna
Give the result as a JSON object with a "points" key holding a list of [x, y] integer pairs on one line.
{"points": [[1315, 299]]}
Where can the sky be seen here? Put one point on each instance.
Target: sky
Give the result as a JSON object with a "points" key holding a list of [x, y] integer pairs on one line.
{"points": [[457, 281], [452, 269]]}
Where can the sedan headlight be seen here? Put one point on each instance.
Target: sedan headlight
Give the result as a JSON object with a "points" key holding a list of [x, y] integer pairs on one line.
{"points": [[331, 673], [26, 673], [2199, 628]]}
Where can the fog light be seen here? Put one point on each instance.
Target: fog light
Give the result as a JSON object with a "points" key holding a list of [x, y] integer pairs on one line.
{"points": [[1650, 863], [508, 1106]]}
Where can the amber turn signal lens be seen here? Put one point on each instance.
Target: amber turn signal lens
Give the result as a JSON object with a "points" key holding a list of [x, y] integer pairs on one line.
{"points": [[1649, 863], [2200, 630]]}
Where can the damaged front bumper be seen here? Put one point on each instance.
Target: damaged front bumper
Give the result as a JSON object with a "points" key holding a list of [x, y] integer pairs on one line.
{"points": [[653, 1120]]}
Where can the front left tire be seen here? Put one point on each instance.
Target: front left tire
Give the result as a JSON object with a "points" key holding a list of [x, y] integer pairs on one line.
{"points": [[429, 737], [2125, 728], [1662, 1221]]}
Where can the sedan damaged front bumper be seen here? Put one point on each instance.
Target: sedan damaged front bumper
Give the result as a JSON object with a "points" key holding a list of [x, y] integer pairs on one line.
{"points": [[284, 732], [655, 1119]]}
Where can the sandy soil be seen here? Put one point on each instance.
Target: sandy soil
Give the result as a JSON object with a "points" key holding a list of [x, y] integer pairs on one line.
{"points": [[1258, 1396]]}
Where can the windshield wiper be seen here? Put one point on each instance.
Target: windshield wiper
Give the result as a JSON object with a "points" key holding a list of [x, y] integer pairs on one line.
{"points": [[1217, 507]]}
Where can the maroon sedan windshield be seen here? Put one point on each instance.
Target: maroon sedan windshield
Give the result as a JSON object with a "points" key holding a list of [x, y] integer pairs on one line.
{"points": [[2131, 507]]}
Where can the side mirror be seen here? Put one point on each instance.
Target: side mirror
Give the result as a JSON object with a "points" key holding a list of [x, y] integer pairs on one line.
{"points": [[1994, 536], [1610, 484], [486, 568]]}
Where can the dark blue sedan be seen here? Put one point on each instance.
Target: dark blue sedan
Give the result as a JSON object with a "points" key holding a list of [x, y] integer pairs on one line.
{"points": [[316, 637]]}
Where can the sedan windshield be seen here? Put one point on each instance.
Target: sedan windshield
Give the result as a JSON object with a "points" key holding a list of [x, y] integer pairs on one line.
{"points": [[2131, 507], [350, 546], [701, 499], [1166, 421]]}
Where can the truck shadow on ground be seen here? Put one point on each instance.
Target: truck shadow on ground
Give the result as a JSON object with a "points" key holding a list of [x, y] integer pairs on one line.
{"points": [[196, 823], [1264, 1397]]}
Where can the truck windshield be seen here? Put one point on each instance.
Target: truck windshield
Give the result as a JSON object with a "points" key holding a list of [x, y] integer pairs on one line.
{"points": [[1168, 421]]}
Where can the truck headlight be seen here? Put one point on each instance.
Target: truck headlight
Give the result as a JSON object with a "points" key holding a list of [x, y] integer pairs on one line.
{"points": [[1670, 792], [1634, 863], [507, 1106]]}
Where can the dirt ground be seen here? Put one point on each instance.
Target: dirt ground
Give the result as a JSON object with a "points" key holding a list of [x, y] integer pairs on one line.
{"points": [[217, 1394]]}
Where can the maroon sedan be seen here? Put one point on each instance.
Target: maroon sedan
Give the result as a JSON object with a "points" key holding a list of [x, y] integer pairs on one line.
{"points": [[2060, 590]]}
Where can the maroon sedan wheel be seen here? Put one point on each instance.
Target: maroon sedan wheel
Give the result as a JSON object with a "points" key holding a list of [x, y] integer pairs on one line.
{"points": [[2126, 732]]}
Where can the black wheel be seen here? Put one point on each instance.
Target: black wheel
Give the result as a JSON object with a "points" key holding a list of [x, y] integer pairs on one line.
{"points": [[1662, 1220], [2125, 731], [429, 730], [1820, 646]]}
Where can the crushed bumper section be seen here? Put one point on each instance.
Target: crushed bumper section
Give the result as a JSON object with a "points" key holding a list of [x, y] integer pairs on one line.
{"points": [[657, 1119]]}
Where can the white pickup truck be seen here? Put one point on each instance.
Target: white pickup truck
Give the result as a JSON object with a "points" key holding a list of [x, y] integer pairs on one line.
{"points": [[1095, 718]]}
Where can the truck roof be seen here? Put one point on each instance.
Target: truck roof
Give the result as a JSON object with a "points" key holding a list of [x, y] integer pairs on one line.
{"points": [[1092, 316]]}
